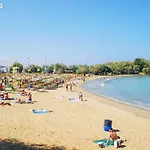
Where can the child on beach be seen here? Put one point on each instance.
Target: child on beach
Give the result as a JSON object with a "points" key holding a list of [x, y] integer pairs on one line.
{"points": [[30, 97], [80, 96]]}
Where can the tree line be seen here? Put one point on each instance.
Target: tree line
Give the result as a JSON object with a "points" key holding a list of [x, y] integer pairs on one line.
{"points": [[139, 65]]}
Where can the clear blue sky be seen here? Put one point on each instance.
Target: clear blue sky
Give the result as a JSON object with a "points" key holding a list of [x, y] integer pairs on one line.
{"points": [[74, 31]]}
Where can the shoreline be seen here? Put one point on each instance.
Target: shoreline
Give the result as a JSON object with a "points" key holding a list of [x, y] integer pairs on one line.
{"points": [[138, 111]]}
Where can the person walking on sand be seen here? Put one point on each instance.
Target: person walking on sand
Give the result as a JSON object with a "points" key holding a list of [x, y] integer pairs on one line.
{"points": [[81, 96]]}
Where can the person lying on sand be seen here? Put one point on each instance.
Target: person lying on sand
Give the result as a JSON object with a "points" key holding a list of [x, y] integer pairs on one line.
{"points": [[23, 93], [6, 97], [20, 101], [3, 104], [24, 102], [113, 136], [2, 95]]}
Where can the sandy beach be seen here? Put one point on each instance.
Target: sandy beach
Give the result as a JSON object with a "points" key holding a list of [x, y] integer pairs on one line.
{"points": [[74, 124]]}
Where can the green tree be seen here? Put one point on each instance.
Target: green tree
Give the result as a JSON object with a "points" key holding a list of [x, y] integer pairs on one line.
{"points": [[49, 68], [16, 64], [82, 69], [33, 69], [60, 68], [141, 63], [146, 71], [105, 70], [96, 69], [72, 68], [136, 69]]}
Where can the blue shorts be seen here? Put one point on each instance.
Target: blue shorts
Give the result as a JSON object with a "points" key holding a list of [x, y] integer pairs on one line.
{"points": [[30, 99]]}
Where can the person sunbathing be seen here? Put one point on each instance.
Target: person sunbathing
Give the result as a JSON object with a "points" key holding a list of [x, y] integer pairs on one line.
{"points": [[6, 97], [23, 102], [1, 95], [113, 136], [4, 103], [23, 93]]}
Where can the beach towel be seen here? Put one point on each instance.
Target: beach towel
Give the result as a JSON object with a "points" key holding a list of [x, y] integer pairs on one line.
{"points": [[74, 99], [40, 111], [103, 142], [23, 102], [9, 91], [7, 99], [58, 97]]}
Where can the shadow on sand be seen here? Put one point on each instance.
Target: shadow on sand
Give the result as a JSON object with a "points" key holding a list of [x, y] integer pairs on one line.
{"points": [[116, 130], [13, 144]]}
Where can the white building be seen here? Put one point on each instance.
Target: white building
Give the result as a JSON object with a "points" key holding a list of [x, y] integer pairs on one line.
{"points": [[3, 69], [15, 70]]}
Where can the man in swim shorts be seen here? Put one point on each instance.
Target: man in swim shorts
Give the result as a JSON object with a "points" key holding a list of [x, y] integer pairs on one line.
{"points": [[117, 141]]}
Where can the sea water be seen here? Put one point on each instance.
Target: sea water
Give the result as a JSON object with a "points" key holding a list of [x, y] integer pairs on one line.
{"points": [[132, 90]]}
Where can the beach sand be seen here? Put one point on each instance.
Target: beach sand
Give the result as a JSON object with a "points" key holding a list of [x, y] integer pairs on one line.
{"points": [[74, 124]]}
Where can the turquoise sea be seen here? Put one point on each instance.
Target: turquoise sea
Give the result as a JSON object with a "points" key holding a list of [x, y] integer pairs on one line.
{"points": [[133, 90]]}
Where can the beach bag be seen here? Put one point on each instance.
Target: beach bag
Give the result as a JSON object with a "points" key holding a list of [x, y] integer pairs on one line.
{"points": [[107, 125]]}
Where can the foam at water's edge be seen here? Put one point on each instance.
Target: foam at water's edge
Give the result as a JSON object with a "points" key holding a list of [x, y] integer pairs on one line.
{"points": [[127, 103], [118, 100]]}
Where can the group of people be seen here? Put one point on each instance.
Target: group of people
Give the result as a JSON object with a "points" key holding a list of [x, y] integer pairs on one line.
{"points": [[5, 96], [69, 85], [24, 93]]}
